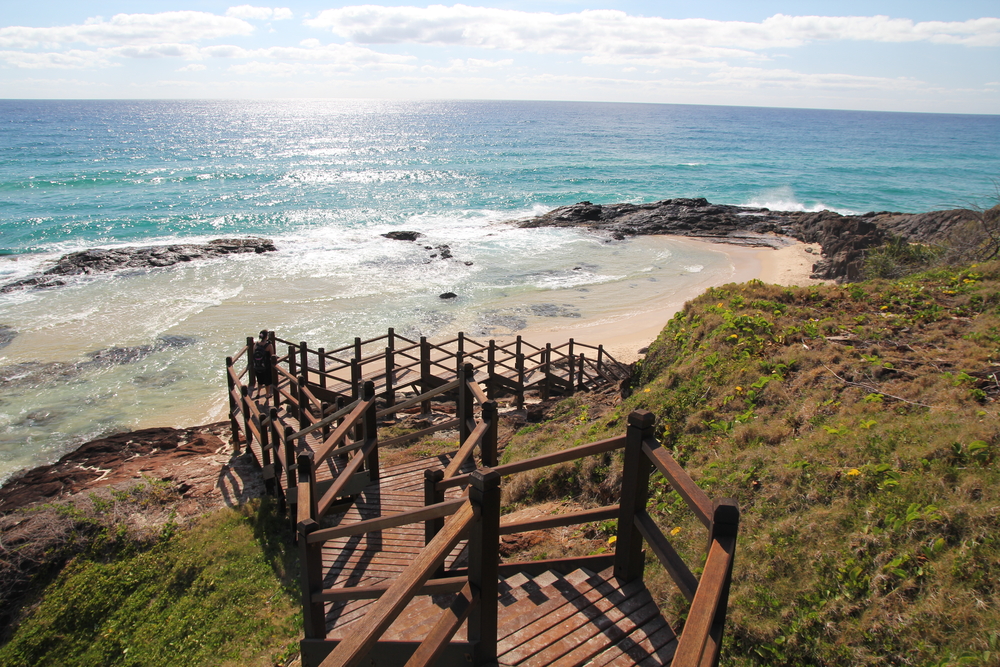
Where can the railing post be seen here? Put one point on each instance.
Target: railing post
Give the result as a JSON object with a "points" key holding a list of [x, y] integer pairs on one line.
{"points": [[304, 360], [466, 401], [460, 354], [580, 375], [305, 473], [547, 371], [245, 394], [321, 366], [291, 361], [275, 380], [488, 448], [370, 426], [305, 407], [491, 366], [265, 457], [433, 496], [355, 379], [234, 425], [280, 462], [425, 373], [290, 478], [519, 365], [311, 557], [324, 409], [251, 376], [570, 358], [725, 526], [635, 490], [484, 558], [600, 358], [390, 365]]}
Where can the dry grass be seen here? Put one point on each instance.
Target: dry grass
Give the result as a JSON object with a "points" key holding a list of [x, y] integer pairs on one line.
{"points": [[857, 428]]}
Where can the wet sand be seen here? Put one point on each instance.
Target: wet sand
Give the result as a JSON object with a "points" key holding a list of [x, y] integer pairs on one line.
{"points": [[623, 338]]}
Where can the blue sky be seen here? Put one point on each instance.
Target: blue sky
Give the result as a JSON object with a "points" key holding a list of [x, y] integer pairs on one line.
{"points": [[894, 56]]}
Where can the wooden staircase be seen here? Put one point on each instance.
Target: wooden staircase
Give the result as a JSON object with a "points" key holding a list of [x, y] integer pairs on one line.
{"points": [[401, 564]]}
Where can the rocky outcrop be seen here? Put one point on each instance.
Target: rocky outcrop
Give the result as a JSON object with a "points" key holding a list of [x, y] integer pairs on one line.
{"points": [[153, 453], [107, 260], [403, 235], [843, 238]]}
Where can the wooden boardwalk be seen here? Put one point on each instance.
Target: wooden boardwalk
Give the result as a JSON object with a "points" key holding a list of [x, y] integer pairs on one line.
{"points": [[581, 618], [401, 564]]}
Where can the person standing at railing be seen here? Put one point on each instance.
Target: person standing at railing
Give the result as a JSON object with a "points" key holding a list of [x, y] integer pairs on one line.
{"points": [[263, 374]]}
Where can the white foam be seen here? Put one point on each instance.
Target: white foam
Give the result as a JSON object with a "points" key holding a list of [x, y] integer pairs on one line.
{"points": [[784, 199]]}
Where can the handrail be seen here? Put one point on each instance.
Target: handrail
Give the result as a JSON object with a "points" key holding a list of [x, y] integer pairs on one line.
{"points": [[465, 451], [567, 519], [354, 647], [338, 434], [326, 420], [375, 591], [436, 511], [337, 488], [668, 557], [444, 629], [589, 449], [692, 494], [243, 350], [410, 402], [710, 594]]}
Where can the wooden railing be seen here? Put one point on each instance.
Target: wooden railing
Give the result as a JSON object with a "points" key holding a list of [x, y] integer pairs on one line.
{"points": [[477, 514], [316, 390]]}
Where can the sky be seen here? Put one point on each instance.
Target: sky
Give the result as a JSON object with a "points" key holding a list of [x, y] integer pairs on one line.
{"points": [[920, 55]]}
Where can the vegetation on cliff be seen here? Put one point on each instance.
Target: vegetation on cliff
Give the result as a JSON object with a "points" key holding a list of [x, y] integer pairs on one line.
{"points": [[856, 426]]}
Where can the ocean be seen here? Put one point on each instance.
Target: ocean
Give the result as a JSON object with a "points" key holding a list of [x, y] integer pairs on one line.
{"points": [[325, 180]]}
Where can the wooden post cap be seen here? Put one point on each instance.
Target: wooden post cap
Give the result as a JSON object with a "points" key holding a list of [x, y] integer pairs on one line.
{"points": [[433, 475], [641, 419], [369, 390], [485, 478]]}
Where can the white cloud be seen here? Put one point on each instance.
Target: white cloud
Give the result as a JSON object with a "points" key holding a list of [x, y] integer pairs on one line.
{"points": [[193, 67], [260, 13], [614, 37], [129, 30], [74, 59]]}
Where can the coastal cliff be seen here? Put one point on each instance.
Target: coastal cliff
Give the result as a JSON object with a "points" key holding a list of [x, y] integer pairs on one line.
{"points": [[843, 238]]}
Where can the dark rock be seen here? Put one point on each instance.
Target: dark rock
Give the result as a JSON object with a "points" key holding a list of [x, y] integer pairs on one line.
{"points": [[553, 310], [102, 260], [468, 263], [8, 334], [403, 236], [843, 239], [112, 459], [448, 295]]}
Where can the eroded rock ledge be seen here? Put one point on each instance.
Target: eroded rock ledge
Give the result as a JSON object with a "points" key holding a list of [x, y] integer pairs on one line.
{"points": [[842, 237], [100, 260]]}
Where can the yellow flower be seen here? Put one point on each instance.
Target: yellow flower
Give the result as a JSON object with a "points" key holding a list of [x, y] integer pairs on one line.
{"points": [[720, 305], [739, 389], [612, 539], [853, 472], [675, 531], [734, 336], [885, 307], [646, 390]]}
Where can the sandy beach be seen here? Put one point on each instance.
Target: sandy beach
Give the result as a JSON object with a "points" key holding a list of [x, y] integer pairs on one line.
{"points": [[623, 338]]}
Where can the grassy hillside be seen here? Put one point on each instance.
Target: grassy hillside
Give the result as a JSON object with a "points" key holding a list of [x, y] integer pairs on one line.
{"points": [[857, 428], [220, 591]]}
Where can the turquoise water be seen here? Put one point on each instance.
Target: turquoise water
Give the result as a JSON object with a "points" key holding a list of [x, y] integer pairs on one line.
{"points": [[326, 178]]}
